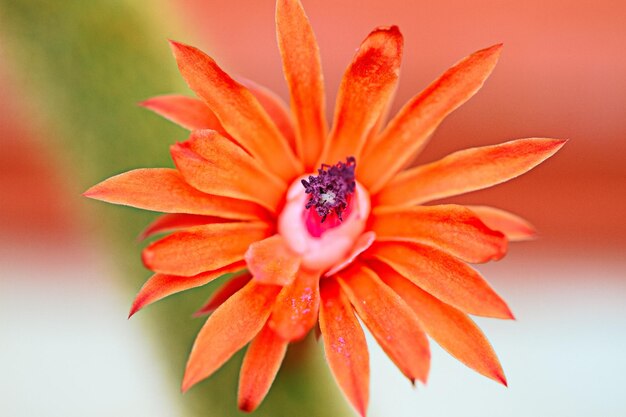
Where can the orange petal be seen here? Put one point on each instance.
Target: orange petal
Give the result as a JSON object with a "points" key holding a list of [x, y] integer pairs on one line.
{"points": [[275, 108], [362, 244], [171, 222], [260, 366], [223, 293], [451, 328], [467, 170], [238, 110], [187, 112], [303, 71], [452, 228], [295, 311], [512, 226], [364, 93], [450, 280], [202, 248], [213, 164], [391, 321], [270, 261], [344, 345], [409, 130], [161, 285], [164, 189], [228, 329]]}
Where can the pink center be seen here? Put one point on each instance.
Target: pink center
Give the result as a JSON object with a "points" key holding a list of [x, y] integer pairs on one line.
{"points": [[322, 245]]}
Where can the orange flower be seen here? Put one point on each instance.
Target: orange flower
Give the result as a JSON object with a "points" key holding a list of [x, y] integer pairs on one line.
{"points": [[318, 248]]}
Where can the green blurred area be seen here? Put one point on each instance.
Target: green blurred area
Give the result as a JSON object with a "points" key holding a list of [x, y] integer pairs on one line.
{"points": [[83, 65]]}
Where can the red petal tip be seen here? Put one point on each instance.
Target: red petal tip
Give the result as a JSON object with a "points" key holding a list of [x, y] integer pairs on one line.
{"points": [[246, 406], [91, 193]]}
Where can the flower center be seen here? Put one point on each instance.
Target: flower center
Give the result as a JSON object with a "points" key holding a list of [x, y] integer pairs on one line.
{"points": [[330, 195], [324, 215]]}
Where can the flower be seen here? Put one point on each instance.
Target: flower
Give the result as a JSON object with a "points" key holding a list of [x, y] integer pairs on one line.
{"points": [[318, 225]]}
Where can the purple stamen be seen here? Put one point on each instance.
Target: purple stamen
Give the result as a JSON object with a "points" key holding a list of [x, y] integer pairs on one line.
{"points": [[331, 188]]}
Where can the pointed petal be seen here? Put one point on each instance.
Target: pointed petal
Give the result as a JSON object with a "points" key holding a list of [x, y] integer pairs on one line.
{"points": [[344, 345], [362, 244], [260, 366], [450, 280], [187, 112], [449, 327], [163, 189], [276, 109], [364, 93], [295, 311], [270, 261], [238, 110], [171, 222], [160, 286], [215, 165], [223, 293], [467, 170], [511, 225], [451, 228], [202, 248], [303, 72], [228, 329], [409, 131], [391, 321]]}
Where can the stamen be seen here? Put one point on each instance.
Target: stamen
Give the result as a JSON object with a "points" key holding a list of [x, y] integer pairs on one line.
{"points": [[331, 189]]}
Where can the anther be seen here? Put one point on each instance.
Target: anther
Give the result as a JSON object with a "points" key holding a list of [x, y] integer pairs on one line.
{"points": [[330, 191]]}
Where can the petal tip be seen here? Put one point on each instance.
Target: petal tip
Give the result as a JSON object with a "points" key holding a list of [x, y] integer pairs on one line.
{"points": [[92, 192], [246, 405], [133, 309]]}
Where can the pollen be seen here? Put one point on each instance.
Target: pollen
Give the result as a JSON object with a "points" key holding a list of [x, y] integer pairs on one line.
{"points": [[330, 191]]}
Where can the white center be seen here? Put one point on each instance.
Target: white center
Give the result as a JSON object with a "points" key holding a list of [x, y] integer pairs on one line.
{"points": [[324, 252]]}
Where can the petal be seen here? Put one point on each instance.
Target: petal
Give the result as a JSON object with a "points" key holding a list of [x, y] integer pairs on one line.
{"points": [[362, 244], [171, 222], [303, 72], [187, 112], [512, 226], [467, 170], [408, 132], [164, 189], [295, 311], [260, 366], [450, 280], [391, 321], [270, 261], [215, 165], [344, 345], [364, 93], [202, 248], [275, 107], [238, 110], [451, 328], [160, 286], [223, 293], [228, 329], [452, 228]]}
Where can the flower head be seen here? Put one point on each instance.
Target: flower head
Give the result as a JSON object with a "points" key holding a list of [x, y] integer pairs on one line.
{"points": [[353, 239]]}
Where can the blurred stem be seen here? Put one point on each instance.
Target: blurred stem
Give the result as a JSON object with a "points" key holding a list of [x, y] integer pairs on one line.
{"points": [[85, 64]]}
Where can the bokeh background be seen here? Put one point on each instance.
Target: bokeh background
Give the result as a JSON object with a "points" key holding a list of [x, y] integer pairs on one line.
{"points": [[71, 73]]}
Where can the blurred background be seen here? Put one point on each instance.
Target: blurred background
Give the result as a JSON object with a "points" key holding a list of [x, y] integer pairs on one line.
{"points": [[71, 73]]}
